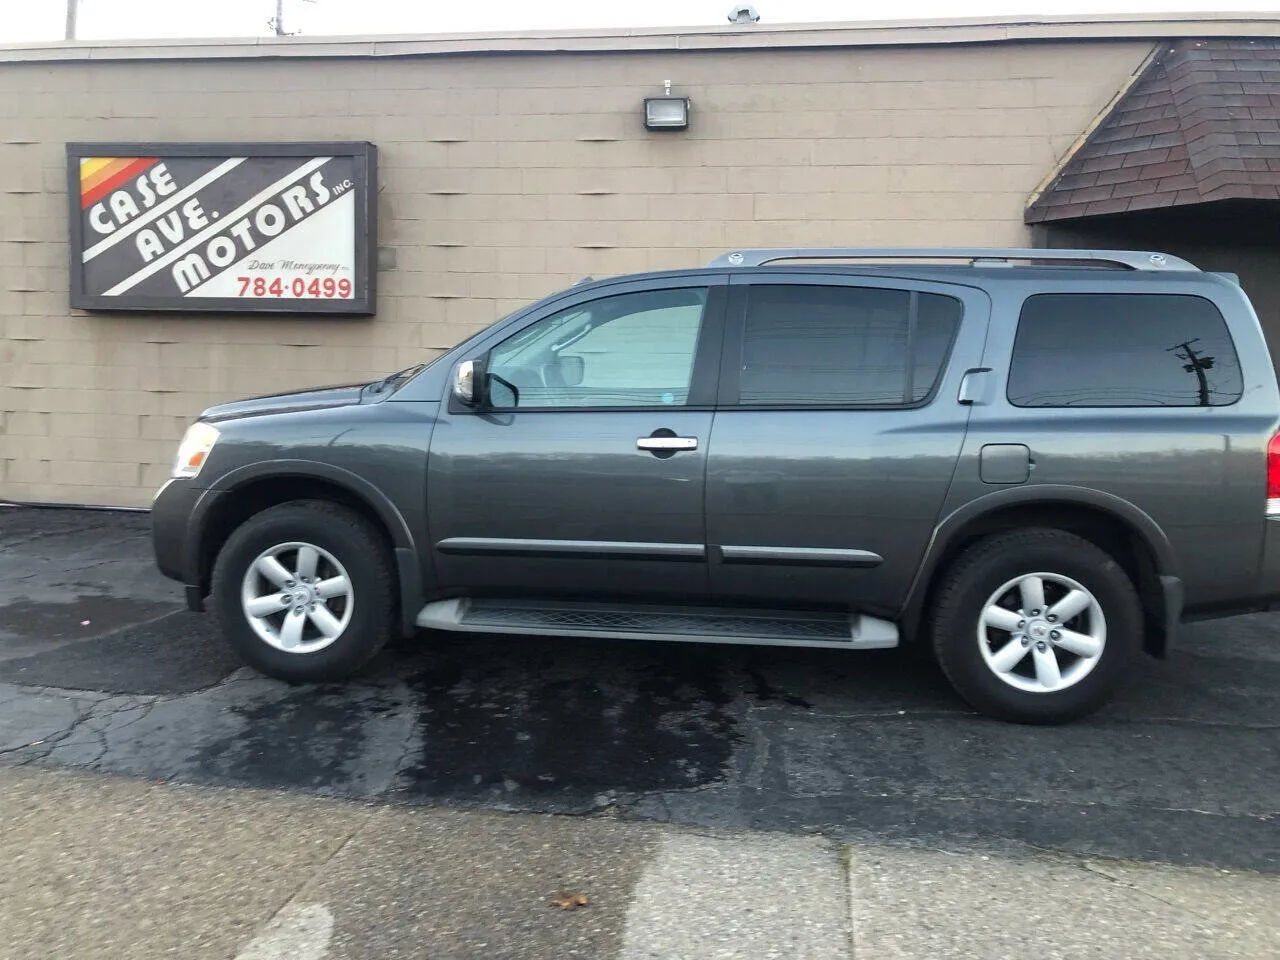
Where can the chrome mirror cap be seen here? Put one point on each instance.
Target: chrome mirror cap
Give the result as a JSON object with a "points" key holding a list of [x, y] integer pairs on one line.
{"points": [[466, 383]]}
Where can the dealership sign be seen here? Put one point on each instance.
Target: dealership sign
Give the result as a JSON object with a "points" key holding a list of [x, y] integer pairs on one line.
{"points": [[231, 227]]}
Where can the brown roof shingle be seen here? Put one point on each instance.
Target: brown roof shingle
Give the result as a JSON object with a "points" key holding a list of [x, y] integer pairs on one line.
{"points": [[1202, 123]]}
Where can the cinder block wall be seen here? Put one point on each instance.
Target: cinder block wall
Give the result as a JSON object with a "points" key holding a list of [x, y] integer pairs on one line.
{"points": [[503, 177]]}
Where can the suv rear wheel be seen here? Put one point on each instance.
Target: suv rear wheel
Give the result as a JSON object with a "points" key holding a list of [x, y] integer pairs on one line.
{"points": [[1036, 626], [303, 592]]}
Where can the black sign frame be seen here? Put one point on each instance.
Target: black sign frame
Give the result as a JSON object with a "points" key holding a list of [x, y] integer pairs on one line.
{"points": [[363, 301]]}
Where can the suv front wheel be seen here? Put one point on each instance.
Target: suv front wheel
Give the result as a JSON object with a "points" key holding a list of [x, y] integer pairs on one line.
{"points": [[1036, 626], [303, 592]]}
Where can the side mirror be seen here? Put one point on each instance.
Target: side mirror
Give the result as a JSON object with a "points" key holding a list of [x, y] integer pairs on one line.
{"points": [[468, 380]]}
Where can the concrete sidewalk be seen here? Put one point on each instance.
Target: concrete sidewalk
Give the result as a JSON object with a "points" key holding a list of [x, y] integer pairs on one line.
{"points": [[100, 866]]}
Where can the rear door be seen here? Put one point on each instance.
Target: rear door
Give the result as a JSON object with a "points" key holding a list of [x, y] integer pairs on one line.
{"points": [[836, 435]]}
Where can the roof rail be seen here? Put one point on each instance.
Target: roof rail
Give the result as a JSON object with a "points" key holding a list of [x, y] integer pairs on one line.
{"points": [[976, 256]]}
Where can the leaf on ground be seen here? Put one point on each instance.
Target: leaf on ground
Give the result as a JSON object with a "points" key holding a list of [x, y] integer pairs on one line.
{"points": [[569, 901]]}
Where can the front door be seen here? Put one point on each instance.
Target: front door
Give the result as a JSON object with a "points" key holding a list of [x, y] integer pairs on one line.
{"points": [[836, 436], [583, 476]]}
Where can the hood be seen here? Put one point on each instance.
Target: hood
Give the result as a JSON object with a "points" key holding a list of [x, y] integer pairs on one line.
{"points": [[316, 398]]}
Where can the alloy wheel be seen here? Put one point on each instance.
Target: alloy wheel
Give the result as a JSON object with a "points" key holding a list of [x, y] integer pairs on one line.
{"points": [[297, 597], [1042, 632]]}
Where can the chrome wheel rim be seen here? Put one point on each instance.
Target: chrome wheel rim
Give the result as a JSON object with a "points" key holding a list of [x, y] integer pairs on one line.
{"points": [[1042, 632], [297, 597]]}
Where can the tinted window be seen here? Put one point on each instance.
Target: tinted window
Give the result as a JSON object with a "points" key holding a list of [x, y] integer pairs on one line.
{"points": [[1122, 350], [635, 349], [844, 346]]}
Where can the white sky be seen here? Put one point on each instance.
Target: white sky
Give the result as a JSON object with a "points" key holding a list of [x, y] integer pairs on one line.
{"points": [[36, 20]]}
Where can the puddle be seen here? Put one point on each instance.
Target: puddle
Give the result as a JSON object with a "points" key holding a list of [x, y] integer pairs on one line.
{"points": [[341, 740], [47, 623], [568, 727]]}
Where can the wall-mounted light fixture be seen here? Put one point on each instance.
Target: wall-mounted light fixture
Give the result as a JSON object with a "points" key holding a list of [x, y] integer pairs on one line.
{"points": [[666, 112]]}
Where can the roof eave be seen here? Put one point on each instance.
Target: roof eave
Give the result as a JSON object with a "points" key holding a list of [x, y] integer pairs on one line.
{"points": [[887, 33]]}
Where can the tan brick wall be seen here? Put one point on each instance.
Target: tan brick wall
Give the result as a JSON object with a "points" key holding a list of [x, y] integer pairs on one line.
{"points": [[504, 177]]}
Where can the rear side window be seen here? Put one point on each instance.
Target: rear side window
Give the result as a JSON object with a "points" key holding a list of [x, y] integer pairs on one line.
{"points": [[844, 346], [1123, 350]]}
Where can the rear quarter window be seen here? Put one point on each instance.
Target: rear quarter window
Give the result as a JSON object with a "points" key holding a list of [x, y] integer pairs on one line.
{"points": [[1123, 350]]}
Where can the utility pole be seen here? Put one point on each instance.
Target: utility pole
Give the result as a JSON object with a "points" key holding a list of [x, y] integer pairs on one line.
{"points": [[73, 8], [1194, 363], [277, 24]]}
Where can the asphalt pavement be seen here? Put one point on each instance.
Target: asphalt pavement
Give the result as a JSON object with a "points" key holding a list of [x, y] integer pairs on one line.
{"points": [[1184, 767], [862, 764]]}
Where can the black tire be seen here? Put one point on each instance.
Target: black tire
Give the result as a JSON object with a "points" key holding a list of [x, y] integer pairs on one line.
{"points": [[354, 543], [959, 603]]}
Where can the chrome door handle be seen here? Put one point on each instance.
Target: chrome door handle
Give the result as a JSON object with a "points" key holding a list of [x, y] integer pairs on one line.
{"points": [[973, 386], [667, 443]]}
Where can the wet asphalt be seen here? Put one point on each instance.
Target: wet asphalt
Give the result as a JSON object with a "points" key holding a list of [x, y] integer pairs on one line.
{"points": [[101, 669]]}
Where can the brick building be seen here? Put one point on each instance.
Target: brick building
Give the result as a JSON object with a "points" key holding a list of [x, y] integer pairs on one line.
{"points": [[511, 166]]}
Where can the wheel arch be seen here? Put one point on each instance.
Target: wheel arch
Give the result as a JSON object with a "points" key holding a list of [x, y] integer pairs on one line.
{"points": [[245, 492], [1114, 525]]}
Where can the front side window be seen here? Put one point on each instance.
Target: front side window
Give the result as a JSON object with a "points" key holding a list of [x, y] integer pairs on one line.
{"points": [[844, 346], [1122, 350], [630, 350]]}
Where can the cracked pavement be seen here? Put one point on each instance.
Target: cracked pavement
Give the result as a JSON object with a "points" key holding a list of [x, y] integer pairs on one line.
{"points": [[872, 748]]}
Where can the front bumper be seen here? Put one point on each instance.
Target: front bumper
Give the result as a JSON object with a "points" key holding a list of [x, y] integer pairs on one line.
{"points": [[173, 537]]}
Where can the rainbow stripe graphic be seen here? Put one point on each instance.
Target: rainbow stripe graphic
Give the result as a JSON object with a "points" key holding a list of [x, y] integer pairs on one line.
{"points": [[100, 175]]}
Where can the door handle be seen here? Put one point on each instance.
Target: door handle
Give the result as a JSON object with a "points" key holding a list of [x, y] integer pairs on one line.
{"points": [[667, 444], [973, 386]]}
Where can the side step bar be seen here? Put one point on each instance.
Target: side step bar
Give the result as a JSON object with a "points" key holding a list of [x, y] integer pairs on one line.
{"points": [[697, 625]]}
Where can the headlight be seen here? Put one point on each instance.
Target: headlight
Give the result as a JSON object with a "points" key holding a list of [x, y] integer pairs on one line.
{"points": [[194, 449]]}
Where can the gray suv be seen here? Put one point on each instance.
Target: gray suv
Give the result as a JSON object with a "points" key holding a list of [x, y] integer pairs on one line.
{"points": [[1036, 462]]}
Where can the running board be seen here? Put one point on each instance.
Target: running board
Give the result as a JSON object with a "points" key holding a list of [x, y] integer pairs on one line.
{"points": [[697, 625]]}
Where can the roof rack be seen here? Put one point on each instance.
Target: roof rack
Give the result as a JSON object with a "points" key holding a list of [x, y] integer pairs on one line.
{"points": [[976, 256]]}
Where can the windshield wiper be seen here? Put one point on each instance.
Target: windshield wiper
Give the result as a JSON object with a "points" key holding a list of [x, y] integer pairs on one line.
{"points": [[389, 379]]}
